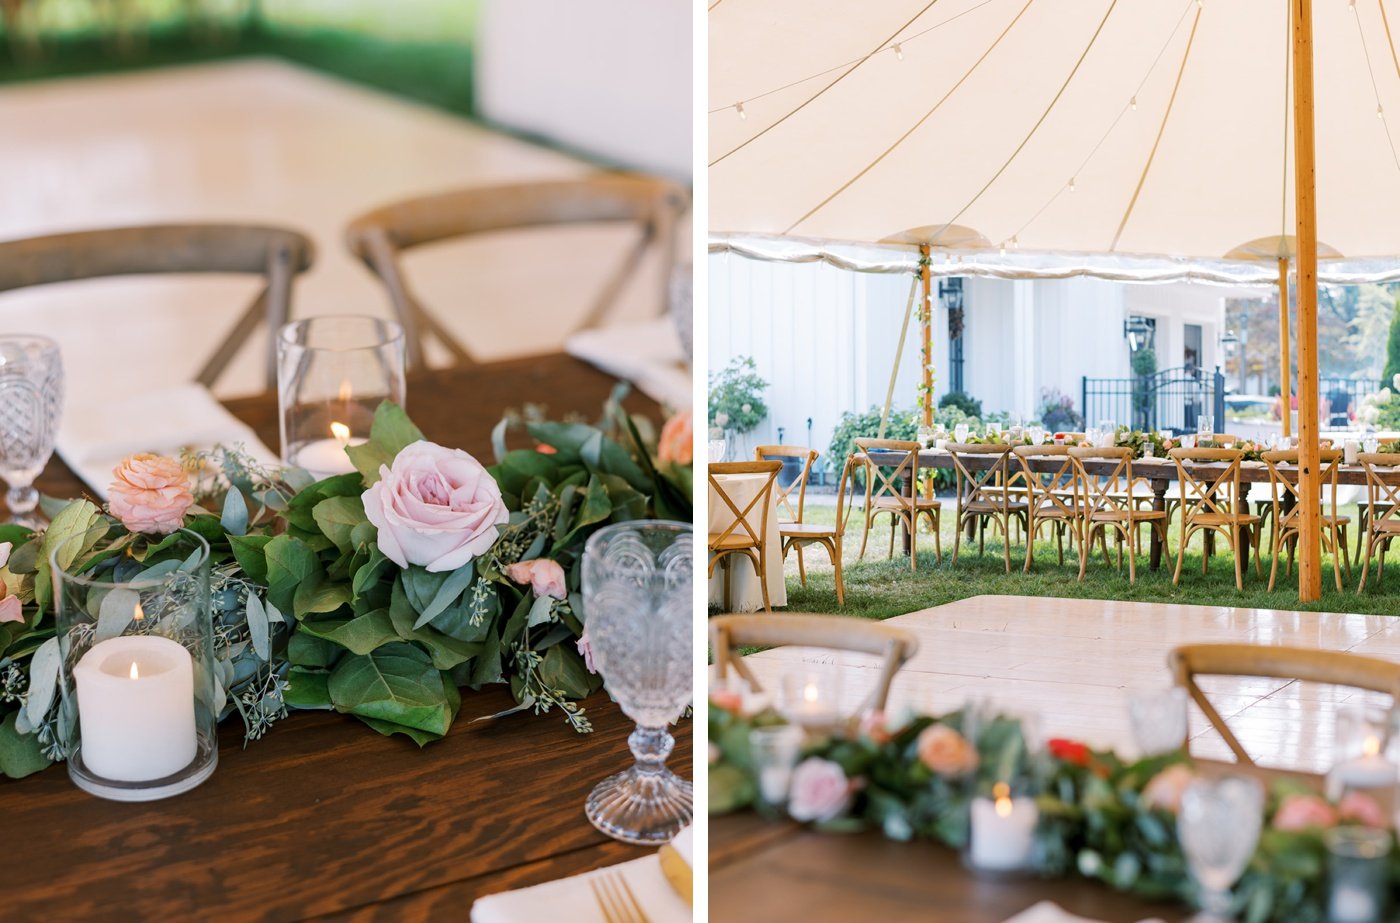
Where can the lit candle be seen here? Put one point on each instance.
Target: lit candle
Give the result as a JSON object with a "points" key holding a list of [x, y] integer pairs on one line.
{"points": [[811, 707], [136, 708], [1003, 830], [1351, 904], [325, 457], [774, 782], [1370, 770]]}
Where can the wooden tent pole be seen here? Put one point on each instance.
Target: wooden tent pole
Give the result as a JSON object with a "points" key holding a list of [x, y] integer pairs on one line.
{"points": [[1285, 387], [926, 321], [1304, 156]]}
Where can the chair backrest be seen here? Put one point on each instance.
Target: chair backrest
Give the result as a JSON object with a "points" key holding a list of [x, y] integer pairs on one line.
{"points": [[883, 479], [278, 254], [1282, 486], [1382, 499], [761, 499], [728, 633], [1306, 664], [799, 484], [1046, 487], [1214, 493], [379, 236], [982, 485], [1097, 493]]}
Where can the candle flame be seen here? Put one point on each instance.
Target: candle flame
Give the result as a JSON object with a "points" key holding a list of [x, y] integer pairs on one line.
{"points": [[341, 432], [1372, 746], [809, 692], [1002, 793], [134, 674], [138, 615], [344, 390]]}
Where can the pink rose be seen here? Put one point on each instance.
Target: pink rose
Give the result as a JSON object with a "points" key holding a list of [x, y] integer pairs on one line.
{"points": [[677, 442], [585, 649], [435, 507], [875, 727], [1301, 812], [546, 577], [945, 751], [820, 790], [1164, 792], [1355, 807], [10, 609], [150, 494]]}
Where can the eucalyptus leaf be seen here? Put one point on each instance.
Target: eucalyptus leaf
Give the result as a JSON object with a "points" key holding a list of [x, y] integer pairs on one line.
{"points": [[117, 610], [540, 611], [43, 681], [258, 630], [450, 589], [235, 515]]}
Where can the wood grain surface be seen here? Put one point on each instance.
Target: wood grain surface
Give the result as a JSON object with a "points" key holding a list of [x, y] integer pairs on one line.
{"points": [[324, 817]]}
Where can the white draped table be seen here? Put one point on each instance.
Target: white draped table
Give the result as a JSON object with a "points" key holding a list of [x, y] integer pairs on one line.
{"points": [[743, 587]]}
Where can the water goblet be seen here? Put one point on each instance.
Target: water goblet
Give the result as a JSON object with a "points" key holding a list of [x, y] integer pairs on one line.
{"points": [[1370, 444], [774, 751], [31, 400], [1158, 718], [637, 580], [1037, 434], [1205, 425], [1219, 828], [993, 429], [960, 433]]}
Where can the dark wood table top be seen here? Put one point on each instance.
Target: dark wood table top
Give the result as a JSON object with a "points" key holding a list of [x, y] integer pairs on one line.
{"points": [[324, 817]]}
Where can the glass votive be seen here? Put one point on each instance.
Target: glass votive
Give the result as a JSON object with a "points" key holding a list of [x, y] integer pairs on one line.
{"points": [[1001, 831], [1362, 730], [773, 751], [1356, 891], [139, 706], [1159, 720], [333, 372], [812, 700]]}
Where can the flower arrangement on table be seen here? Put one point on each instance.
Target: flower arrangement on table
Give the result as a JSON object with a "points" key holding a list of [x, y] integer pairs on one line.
{"points": [[1099, 815], [379, 593]]}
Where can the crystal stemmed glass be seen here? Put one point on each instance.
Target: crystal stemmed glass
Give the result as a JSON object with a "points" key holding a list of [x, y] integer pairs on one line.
{"points": [[1219, 828], [31, 399], [637, 579], [1159, 720]]}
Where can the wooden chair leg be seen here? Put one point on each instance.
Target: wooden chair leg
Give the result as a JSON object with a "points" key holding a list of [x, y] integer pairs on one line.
{"points": [[1132, 552], [1236, 535], [1180, 558], [835, 549], [957, 537], [801, 565], [728, 597], [1273, 570], [913, 541], [865, 536], [1030, 543], [1346, 558], [761, 571], [893, 522], [938, 536], [981, 536], [1060, 542]]}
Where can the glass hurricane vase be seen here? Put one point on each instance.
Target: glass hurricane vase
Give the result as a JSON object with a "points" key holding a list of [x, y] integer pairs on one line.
{"points": [[31, 399], [637, 581]]}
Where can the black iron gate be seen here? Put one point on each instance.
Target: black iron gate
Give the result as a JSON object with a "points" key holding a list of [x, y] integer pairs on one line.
{"points": [[1172, 399]]}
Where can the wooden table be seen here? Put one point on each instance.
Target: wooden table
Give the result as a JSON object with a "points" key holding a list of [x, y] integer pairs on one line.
{"points": [[324, 817]]}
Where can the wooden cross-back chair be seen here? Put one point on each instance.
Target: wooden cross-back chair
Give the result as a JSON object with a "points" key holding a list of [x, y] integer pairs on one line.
{"points": [[1103, 507], [729, 633], [277, 254], [984, 497], [1296, 663], [885, 493], [378, 237], [1382, 524], [1288, 515], [797, 535], [1049, 496], [741, 537], [788, 511], [1212, 504]]}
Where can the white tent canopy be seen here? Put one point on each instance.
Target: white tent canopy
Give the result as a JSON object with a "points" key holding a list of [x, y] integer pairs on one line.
{"points": [[1091, 129]]}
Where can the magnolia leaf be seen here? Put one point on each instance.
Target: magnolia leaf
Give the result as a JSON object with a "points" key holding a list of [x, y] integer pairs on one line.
{"points": [[20, 754], [290, 563], [43, 680], [235, 515], [316, 596], [392, 429], [359, 635], [337, 517], [117, 610], [303, 650], [396, 683], [451, 588], [77, 518], [389, 729], [258, 627], [307, 689]]}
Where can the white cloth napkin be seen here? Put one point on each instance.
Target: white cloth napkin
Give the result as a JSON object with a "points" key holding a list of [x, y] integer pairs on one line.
{"points": [[1051, 912], [649, 355], [572, 899], [95, 437]]}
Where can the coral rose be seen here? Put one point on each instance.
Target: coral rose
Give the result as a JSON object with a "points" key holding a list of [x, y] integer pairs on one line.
{"points": [[875, 726], [435, 507], [10, 610], [677, 439], [945, 751], [1164, 792], [820, 790], [1302, 812], [546, 577], [150, 494]]}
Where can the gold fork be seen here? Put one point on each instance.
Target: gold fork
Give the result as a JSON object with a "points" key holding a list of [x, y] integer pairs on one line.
{"points": [[616, 900]]}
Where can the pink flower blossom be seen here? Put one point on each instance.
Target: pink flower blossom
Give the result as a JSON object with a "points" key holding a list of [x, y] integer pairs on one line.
{"points": [[1303, 812], [150, 494], [10, 609], [820, 790], [5, 548], [874, 726], [1164, 792], [585, 649], [546, 577], [1360, 808], [945, 751]]}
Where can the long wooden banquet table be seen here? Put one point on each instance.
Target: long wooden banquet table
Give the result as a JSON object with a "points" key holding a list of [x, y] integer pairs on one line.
{"points": [[324, 817], [1160, 473]]}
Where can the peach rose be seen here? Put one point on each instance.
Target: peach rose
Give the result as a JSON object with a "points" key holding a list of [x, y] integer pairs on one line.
{"points": [[677, 439], [546, 577], [1164, 792], [1355, 807], [945, 751], [875, 727], [150, 494], [820, 790], [1302, 812], [10, 610], [435, 507]]}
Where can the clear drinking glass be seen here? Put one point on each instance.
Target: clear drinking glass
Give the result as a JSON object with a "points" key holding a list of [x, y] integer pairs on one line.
{"points": [[31, 401], [1159, 720], [1356, 887], [812, 699], [637, 580], [139, 701], [773, 751], [1370, 444], [960, 433], [333, 372], [1219, 828], [1205, 425], [1037, 434]]}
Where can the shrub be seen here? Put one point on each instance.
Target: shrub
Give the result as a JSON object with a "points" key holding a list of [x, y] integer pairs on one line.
{"points": [[1057, 411], [737, 393], [903, 424], [1392, 347], [963, 401]]}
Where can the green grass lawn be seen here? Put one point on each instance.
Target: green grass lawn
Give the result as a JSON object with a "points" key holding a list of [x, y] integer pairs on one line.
{"points": [[880, 588]]}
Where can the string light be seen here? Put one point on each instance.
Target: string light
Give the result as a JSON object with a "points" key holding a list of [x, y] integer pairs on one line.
{"points": [[1015, 243], [898, 51], [1002, 248], [1132, 104], [1071, 184], [1380, 113], [739, 108]]}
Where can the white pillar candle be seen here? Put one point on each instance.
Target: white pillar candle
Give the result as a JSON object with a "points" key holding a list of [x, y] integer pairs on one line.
{"points": [[773, 783], [136, 708], [1350, 904], [1003, 831], [1350, 449], [325, 457]]}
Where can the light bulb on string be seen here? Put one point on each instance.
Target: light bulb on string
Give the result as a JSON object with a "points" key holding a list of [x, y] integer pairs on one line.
{"points": [[1380, 113], [739, 108], [1015, 243], [1132, 104], [1071, 184], [1002, 248], [898, 51]]}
